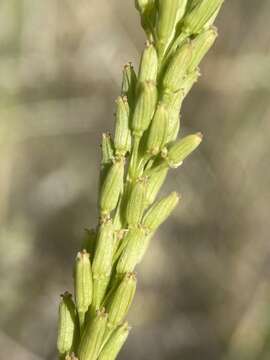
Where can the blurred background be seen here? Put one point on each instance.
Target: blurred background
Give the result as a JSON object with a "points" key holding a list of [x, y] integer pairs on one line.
{"points": [[204, 287]]}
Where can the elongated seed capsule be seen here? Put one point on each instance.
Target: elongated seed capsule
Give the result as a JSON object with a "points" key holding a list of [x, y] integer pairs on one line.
{"points": [[149, 64], [144, 108], [122, 131], [154, 184], [168, 11], [112, 187], [201, 44], [83, 284], [182, 148], [67, 329], [136, 203], [132, 252], [160, 211], [177, 68], [102, 263], [158, 130], [129, 83], [199, 16], [92, 337], [121, 300], [115, 343]]}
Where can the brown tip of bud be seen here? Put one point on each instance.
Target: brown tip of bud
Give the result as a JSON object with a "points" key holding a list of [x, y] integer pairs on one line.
{"points": [[200, 135]]}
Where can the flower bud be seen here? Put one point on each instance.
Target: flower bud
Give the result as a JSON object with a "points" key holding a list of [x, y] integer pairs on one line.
{"points": [[67, 327], [136, 203], [83, 284], [160, 211], [201, 44], [106, 149], [177, 68], [200, 15], [154, 183], [92, 337], [122, 132], [116, 341], [158, 130], [129, 83], [144, 108], [131, 254], [112, 187], [182, 148], [149, 64], [121, 300]]}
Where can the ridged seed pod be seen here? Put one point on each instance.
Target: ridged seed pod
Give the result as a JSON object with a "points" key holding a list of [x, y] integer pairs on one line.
{"points": [[144, 108], [154, 184], [158, 130], [67, 327], [115, 343], [112, 187], [122, 131], [160, 211], [83, 284], [131, 255], [129, 83], [177, 68], [136, 203], [201, 45], [121, 300], [182, 149], [149, 64], [197, 19], [92, 337]]}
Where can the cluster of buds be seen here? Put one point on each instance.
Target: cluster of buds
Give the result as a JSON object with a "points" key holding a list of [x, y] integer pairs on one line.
{"points": [[134, 166]]}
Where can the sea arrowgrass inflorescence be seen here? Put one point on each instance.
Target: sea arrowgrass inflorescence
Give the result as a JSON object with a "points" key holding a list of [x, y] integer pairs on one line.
{"points": [[134, 166]]}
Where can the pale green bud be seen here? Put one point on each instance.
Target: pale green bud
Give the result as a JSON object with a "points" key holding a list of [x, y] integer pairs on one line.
{"points": [[106, 149], [131, 254], [160, 211], [201, 45], [136, 203], [67, 327], [201, 14], [154, 184], [121, 300], [144, 108], [158, 130], [177, 68], [115, 343], [182, 149], [92, 337], [102, 263], [167, 17], [149, 64], [112, 187], [129, 83], [122, 132], [83, 283]]}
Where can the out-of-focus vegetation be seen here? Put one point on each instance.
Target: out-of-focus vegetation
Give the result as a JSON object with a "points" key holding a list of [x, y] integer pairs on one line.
{"points": [[204, 291]]}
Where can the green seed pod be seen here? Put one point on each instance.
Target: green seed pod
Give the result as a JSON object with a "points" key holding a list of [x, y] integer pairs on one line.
{"points": [[83, 284], [67, 329], [160, 211], [92, 337], [136, 203], [149, 64], [129, 83], [158, 130], [177, 68], [168, 11], [144, 108], [201, 45], [182, 148], [122, 132], [154, 184], [112, 187], [115, 343], [131, 254], [198, 18], [121, 300]]}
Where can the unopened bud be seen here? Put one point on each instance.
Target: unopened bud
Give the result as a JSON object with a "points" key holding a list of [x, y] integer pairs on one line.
{"points": [[129, 83], [149, 64], [122, 132], [136, 203], [107, 149], [154, 183]]}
